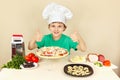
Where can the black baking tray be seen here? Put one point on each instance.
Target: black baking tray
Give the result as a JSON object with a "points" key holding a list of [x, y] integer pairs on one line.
{"points": [[84, 65]]}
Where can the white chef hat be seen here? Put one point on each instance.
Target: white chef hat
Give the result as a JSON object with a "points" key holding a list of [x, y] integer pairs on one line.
{"points": [[56, 13]]}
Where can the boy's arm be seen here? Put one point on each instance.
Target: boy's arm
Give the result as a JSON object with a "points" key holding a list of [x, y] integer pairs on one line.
{"points": [[81, 44], [32, 43]]}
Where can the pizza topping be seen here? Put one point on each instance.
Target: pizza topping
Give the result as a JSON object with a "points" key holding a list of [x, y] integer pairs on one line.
{"points": [[52, 51], [78, 59]]}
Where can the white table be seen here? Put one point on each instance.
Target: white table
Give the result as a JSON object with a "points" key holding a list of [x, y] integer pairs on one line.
{"points": [[53, 70]]}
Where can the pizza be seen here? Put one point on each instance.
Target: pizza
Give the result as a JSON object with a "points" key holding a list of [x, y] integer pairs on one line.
{"points": [[52, 52]]}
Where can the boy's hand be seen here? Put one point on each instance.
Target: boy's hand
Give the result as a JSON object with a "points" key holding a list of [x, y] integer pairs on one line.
{"points": [[38, 36], [74, 36], [77, 38]]}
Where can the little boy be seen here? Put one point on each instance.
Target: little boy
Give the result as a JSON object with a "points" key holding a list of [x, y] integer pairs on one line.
{"points": [[57, 15]]}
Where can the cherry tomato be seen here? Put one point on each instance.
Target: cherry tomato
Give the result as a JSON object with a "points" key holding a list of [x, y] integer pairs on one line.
{"points": [[31, 55], [35, 59], [27, 58], [107, 63]]}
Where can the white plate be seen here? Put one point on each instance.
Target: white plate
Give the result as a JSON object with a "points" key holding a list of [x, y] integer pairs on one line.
{"points": [[36, 65]]}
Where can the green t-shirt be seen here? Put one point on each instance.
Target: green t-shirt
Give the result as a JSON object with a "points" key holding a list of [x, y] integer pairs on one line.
{"points": [[64, 42]]}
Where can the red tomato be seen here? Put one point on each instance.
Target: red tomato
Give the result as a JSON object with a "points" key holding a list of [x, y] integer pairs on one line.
{"points": [[107, 63], [35, 59], [27, 58], [31, 55]]}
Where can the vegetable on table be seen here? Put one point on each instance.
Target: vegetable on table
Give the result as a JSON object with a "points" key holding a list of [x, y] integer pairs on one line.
{"points": [[101, 57], [15, 63], [99, 64], [31, 57], [107, 63], [35, 59]]}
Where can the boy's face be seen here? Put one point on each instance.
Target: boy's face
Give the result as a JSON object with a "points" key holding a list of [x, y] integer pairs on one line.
{"points": [[57, 28]]}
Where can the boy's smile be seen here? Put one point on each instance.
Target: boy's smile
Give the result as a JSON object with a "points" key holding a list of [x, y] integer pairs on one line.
{"points": [[56, 29]]}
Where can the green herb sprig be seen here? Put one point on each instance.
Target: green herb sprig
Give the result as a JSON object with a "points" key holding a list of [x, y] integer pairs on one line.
{"points": [[15, 63]]}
